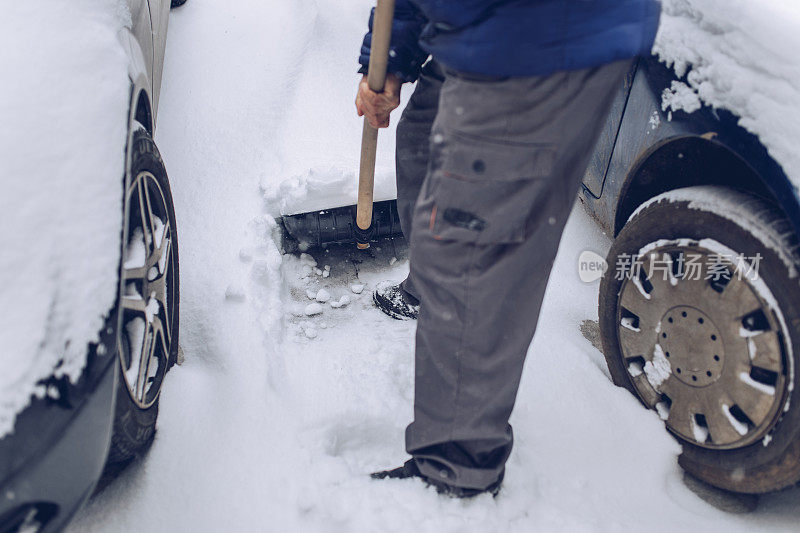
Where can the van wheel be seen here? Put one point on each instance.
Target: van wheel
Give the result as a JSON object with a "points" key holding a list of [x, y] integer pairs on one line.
{"points": [[699, 315]]}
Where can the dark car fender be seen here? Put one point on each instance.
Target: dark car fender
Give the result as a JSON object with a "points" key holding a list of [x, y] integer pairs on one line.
{"points": [[656, 150], [54, 457]]}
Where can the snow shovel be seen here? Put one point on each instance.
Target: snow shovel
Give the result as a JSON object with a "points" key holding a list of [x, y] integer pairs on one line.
{"points": [[376, 79], [365, 221]]}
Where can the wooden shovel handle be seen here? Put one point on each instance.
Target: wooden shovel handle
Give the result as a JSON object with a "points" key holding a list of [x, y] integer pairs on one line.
{"points": [[376, 79]]}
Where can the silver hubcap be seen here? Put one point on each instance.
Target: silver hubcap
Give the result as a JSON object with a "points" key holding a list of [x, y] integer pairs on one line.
{"points": [[702, 346], [148, 290]]}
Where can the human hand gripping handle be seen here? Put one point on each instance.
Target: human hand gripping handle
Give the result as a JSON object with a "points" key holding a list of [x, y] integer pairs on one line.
{"points": [[375, 99]]}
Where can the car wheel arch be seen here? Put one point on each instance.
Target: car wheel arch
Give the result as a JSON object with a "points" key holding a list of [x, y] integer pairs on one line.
{"points": [[685, 161], [142, 110]]}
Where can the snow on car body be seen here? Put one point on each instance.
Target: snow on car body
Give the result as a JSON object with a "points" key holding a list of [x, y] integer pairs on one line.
{"points": [[79, 102]]}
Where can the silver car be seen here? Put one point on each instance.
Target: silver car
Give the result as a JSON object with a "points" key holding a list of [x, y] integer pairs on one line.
{"points": [[65, 439]]}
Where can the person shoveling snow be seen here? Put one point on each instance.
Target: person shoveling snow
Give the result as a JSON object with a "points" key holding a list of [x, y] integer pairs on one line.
{"points": [[491, 150]]}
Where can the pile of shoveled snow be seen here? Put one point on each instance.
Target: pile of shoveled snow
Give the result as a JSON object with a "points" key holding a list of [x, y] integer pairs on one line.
{"points": [[323, 188], [740, 55], [64, 102]]}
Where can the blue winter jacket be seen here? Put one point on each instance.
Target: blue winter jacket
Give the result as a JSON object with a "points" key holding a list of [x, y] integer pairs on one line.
{"points": [[516, 37]]}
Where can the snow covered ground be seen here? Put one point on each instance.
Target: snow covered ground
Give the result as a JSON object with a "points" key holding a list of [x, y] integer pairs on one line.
{"points": [[276, 417]]}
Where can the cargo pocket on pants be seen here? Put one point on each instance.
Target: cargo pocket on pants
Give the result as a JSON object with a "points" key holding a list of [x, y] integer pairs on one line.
{"points": [[484, 192]]}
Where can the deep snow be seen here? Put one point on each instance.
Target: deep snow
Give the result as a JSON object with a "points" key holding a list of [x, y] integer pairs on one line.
{"points": [[268, 427], [61, 166]]}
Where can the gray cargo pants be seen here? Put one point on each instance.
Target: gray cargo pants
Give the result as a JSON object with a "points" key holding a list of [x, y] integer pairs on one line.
{"points": [[487, 172]]}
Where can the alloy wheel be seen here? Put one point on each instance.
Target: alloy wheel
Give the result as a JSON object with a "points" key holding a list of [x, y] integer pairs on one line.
{"points": [[148, 289]]}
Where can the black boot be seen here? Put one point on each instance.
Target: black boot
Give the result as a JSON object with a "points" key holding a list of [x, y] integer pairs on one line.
{"points": [[410, 469], [395, 302]]}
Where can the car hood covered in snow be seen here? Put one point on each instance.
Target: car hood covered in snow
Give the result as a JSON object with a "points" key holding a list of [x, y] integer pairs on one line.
{"points": [[64, 103]]}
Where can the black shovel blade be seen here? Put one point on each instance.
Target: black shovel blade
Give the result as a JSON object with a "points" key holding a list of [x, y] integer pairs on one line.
{"points": [[305, 231]]}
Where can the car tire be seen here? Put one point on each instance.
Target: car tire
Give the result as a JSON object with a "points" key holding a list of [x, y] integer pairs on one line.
{"points": [[148, 305], [734, 434]]}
